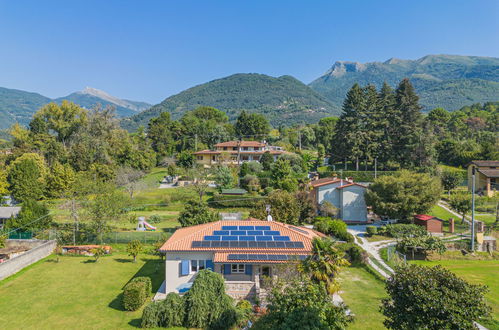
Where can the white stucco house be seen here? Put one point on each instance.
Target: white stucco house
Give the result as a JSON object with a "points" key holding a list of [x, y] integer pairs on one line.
{"points": [[242, 251], [346, 195]]}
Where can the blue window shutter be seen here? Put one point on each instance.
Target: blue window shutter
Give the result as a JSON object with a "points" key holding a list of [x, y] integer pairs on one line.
{"points": [[248, 269], [227, 269], [209, 265], [184, 268]]}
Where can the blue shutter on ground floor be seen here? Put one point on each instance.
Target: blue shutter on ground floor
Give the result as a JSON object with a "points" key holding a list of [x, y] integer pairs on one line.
{"points": [[227, 269], [248, 269], [184, 269], [209, 265]]}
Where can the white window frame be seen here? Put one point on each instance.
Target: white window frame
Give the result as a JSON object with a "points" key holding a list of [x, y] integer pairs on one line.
{"points": [[197, 265], [237, 268]]}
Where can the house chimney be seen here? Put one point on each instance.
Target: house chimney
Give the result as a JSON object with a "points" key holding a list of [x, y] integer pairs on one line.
{"points": [[350, 179]]}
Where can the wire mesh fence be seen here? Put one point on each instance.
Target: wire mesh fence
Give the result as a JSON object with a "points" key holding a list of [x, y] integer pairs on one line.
{"points": [[395, 258]]}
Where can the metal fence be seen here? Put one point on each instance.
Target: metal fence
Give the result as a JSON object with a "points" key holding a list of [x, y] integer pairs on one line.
{"points": [[395, 257]]}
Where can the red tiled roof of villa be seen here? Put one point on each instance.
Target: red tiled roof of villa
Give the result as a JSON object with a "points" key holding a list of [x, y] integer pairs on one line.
{"points": [[240, 143], [182, 239], [324, 181]]}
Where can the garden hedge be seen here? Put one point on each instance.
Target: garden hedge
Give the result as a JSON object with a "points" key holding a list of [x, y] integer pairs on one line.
{"points": [[136, 292]]}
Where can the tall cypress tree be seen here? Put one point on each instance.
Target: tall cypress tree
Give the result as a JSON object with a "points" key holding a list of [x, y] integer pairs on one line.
{"points": [[408, 129], [387, 121], [371, 130], [346, 143]]}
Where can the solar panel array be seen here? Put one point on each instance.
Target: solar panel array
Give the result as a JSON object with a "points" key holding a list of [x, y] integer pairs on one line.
{"points": [[247, 237], [247, 244], [263, 257]]}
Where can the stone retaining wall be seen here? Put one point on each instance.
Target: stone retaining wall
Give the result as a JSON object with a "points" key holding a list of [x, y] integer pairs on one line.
{"points": [[40, 249], [240, 290]]}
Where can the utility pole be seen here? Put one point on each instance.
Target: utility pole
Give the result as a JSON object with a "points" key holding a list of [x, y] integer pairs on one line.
{"points": [[299, 139], [473, 210]]}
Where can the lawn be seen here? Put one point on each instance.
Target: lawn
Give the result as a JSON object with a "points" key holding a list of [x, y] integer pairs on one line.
{"points": [[74, 293], [476, 271], [440, 212], [362, 292]]}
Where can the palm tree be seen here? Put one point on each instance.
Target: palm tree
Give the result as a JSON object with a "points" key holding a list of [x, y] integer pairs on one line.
{"points": [[324, 264]]}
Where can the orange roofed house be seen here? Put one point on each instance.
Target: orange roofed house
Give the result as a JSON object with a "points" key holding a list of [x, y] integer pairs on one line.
{"points": [[236, 152], [241, 251]]}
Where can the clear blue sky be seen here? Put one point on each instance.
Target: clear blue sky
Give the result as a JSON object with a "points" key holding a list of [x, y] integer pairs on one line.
{"points": [[149, 50]]}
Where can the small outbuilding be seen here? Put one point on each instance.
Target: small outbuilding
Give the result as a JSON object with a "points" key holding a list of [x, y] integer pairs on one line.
{"points": [[432, 224]]}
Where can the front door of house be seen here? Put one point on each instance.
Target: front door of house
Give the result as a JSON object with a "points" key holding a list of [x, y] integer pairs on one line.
{"points": [[266, 271]]}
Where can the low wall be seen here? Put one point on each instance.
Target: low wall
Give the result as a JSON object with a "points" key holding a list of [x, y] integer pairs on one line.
{"points": [[40, 250], [240, 290]]}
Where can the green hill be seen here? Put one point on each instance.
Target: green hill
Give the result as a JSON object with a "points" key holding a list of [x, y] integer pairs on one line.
{"points": [[447, 81], [283, 100], [19, 106]]}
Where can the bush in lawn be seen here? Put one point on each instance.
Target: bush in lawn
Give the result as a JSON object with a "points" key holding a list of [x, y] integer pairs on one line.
{"points": [[167, 313], [151, 315], [432, 298], [336, 228], [207, 304], [155, 218], [134, 295], [136, 292], [371, 230]]}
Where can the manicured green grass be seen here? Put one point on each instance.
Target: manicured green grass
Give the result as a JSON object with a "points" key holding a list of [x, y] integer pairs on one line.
{"points": [[362, 292], [478, 272], [440, 212], [74, 293], [377, 238]]}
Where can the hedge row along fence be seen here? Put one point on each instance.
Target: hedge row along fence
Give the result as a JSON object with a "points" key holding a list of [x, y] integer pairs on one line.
{"points": [[136, 293]]}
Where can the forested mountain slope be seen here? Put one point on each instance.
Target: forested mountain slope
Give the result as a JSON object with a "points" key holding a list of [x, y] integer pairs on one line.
{"points": [[447, 81]]}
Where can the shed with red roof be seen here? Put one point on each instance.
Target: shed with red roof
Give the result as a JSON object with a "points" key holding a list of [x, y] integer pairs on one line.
{"points": [[432, 224]]}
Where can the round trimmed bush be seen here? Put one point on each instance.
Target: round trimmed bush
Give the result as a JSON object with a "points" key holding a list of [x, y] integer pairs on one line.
{"points": [[371, 230], [134, 295]]}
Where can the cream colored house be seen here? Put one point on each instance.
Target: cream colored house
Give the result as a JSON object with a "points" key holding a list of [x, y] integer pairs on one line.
{"points": [[236, 152], [487, 172]]}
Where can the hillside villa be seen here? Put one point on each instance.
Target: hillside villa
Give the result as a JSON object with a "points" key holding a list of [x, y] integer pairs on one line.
{"points": [[344, 194], [486, 174], [236, 152], [241, 251]]}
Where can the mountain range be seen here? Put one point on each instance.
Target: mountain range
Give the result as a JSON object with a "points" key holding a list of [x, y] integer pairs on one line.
{"points": [[447, 81], [19, 106]]}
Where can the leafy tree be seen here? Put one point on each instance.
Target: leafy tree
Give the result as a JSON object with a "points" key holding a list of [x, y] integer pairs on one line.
{"points": [[159, 132], [185, 159], [98, 252], [302, 304], [461, 202], [306, 206], [130, 179], [106, 204], [404, 194], [133, 249], [27, 177], [283, 207], [4, 184], [324, 131], [267, 160], [250, 168], [252, 125], [324, 264], [224, 177], [327, 209], [282, 177], [426, 243], [60, 179], [450, 180], [34, 216], [432, 298], [195, 213]]}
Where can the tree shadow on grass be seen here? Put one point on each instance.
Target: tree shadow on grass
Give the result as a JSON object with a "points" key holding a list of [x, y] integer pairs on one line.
{"points": [[152, 268], [122, 260], [89, 261], [136, 323]]}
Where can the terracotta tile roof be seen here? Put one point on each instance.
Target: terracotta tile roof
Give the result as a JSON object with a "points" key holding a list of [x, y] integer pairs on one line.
{"points": [[480, 163], [182, 239], [351, 184], [324, 181], [492, 173], [235, 152], [425, 217], [240, 143]]}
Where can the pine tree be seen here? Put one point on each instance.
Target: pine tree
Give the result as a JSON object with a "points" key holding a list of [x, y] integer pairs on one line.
{"points": [[407, 129], [347, 141], [371, 130], [387, 121]]}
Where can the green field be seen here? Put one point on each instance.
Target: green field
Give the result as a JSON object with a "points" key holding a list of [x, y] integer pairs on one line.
{"points": [[362, 292], [74, 293], [478, 272]]}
